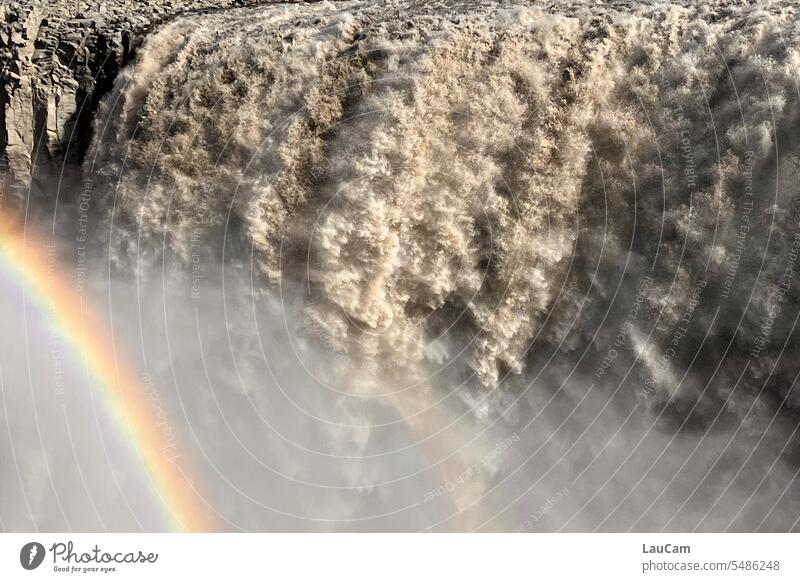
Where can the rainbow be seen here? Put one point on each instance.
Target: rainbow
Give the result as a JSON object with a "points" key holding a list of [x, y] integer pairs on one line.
{"points": [[32, 265]]}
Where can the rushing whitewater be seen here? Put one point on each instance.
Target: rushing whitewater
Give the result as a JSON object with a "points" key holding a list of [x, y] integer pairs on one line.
{"points": [[475, 174], [583, 226]]}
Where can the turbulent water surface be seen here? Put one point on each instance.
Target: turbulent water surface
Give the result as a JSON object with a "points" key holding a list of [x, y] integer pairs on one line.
{"points": [[457, 268]]}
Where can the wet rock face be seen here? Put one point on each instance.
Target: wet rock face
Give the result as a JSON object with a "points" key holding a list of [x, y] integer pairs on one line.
{"points": [[57, 58]]}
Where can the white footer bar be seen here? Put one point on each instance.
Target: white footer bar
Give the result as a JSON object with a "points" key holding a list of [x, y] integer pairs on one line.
{"points": [[400, 557]]}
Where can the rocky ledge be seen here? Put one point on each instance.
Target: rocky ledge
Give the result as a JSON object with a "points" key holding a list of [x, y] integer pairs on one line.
{"points": [[57, 59]]}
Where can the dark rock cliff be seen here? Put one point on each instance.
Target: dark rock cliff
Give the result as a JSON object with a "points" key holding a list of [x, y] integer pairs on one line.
{"points": [[57, 59]]}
